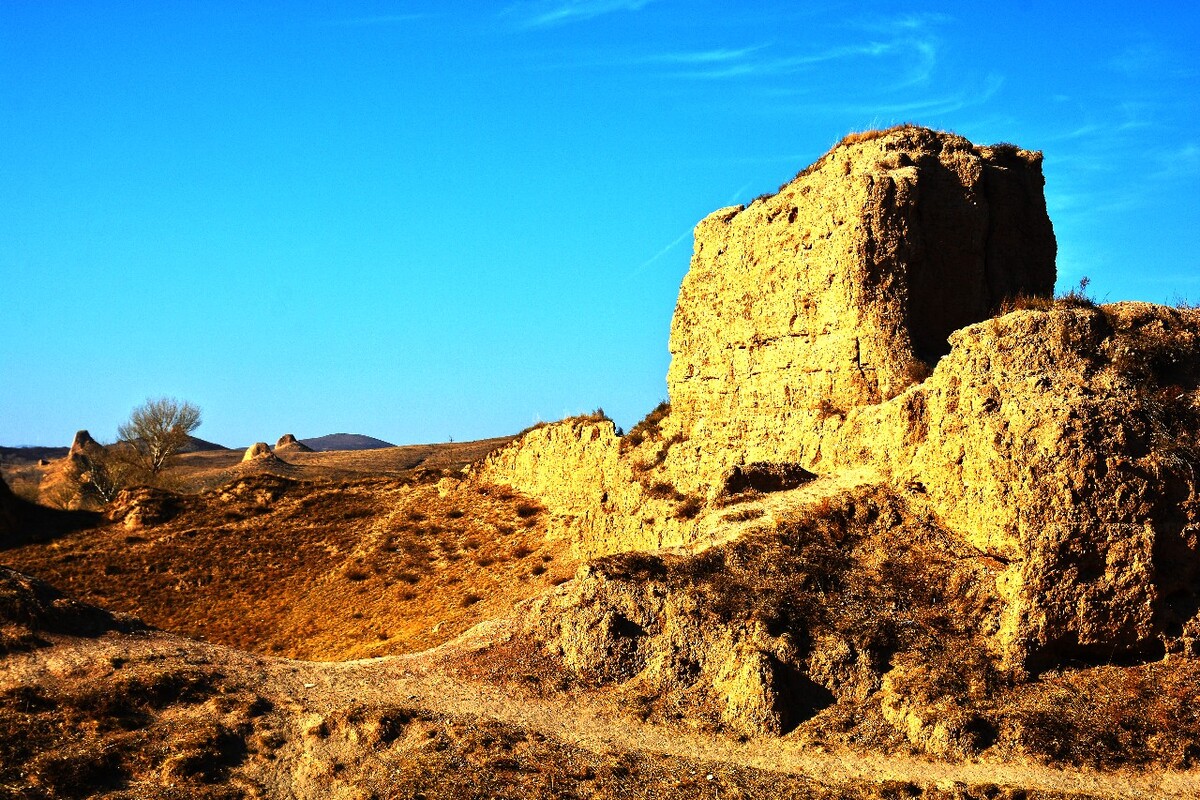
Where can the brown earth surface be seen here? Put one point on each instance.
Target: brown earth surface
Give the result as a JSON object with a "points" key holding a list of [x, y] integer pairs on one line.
{"points": [[94, 705], [319, 570]]}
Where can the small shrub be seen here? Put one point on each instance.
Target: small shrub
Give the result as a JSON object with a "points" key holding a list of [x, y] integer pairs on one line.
{"points": [[1076, 297], [648, 428], [826, 409], [1026, 302], [917, 371], [659, 457], [598, 415]]}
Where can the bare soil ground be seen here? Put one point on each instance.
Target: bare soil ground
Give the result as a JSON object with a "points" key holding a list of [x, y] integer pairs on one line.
{"points": [[316, 570], [389, 556], [131, 713]]}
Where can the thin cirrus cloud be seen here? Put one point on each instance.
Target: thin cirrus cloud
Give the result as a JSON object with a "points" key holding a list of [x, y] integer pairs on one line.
{"points": [[920, 54], [545, 13], [749, 62], [932, 106]]}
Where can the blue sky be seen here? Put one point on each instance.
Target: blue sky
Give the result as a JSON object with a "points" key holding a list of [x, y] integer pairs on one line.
{"points": [[422, 221]]}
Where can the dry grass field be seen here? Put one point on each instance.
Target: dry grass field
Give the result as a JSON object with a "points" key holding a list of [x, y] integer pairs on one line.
{"points": [[311, 559]]}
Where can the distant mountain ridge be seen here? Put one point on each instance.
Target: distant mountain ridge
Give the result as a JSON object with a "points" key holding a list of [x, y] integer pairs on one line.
{"points": [[32, 453], [195, 445], [345, 441]]}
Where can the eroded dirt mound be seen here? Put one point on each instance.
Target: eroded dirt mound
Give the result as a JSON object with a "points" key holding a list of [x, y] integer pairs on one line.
{"points": [[258, 450], [316, 570], [764, 632], [865, 624], [1064, 443], [288, 442]]}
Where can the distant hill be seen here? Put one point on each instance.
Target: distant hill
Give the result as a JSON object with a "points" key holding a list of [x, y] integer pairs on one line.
{"points": [[195, 445], [30, 454], [345, 441]]}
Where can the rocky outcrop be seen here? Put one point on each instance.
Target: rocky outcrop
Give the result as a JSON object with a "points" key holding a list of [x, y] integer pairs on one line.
{"points": [[258, 450], [1064, 443], [619, 630], [602, 500], [289, 443], [83, 443], [835, 292], [143, 506], [1059, 441], [770, 628]]}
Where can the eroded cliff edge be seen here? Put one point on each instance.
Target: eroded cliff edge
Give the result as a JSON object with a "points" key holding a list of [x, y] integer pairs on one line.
{"points": [[852, 323]]}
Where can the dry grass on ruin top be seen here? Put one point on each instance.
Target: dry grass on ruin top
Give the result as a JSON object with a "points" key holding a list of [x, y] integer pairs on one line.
{"points": [[313, 570]]}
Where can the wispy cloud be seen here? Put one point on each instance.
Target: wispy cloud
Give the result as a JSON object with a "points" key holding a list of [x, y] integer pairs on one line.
{"points": [[1177, 163], [888, 113], [1139, 59], [546, 13], [739, 194], [752, 62], [719, 56], [687, 234], [678, 240]]}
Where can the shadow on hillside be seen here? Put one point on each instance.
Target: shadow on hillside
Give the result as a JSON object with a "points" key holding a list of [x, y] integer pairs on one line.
{"points": [[37, 523]]}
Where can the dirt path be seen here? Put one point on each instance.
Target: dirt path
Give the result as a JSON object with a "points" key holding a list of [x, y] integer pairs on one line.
{"points": [[420, 681]]}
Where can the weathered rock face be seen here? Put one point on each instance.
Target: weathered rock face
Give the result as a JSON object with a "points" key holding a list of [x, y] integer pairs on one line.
{"points": [[143, 506], [1064, 443], [83, 443], [1060, 441], [617, 631], [258, 450], [602, 499], [769, 628], [290, 442], [830, 294]]}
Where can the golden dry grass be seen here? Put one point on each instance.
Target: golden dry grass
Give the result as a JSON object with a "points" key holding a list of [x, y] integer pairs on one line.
{"points": [[315, 570]]}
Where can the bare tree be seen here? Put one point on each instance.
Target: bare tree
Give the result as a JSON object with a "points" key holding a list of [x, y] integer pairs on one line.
{"points": [[158, 429], [101, 472]]}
